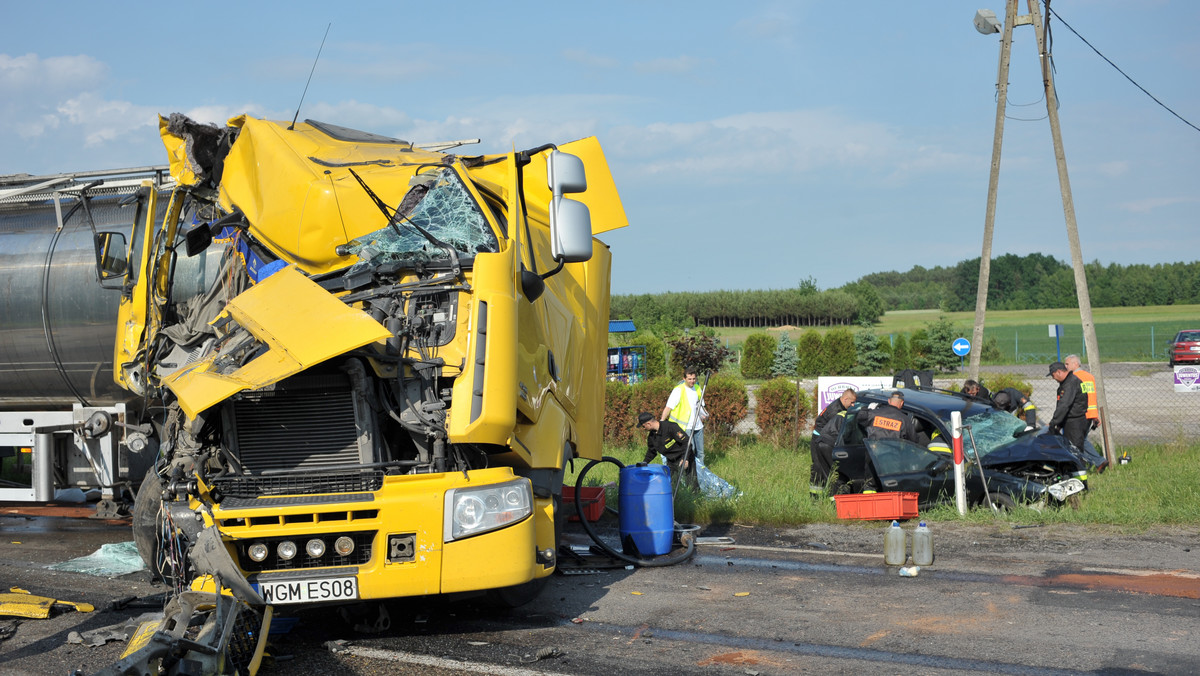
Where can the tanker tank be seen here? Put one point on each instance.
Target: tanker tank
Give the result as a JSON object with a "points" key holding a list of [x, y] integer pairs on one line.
{"points": [[58, 321]]}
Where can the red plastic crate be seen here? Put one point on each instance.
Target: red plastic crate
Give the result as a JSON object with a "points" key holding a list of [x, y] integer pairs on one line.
{"points": [[592, 499], [876, 506]]}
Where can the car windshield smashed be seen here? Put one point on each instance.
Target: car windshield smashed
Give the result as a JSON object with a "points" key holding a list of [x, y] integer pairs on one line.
{"points": [[991, 430], [439, 204]]}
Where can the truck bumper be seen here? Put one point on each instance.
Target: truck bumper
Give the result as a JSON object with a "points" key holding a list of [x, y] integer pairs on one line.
{"points": [[402, 523]]}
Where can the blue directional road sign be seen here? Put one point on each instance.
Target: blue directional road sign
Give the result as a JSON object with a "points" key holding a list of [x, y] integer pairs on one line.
{"points": [[961, 347]]}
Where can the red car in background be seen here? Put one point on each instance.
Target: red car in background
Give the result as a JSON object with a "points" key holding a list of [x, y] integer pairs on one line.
{"points": [[1185, 349]]}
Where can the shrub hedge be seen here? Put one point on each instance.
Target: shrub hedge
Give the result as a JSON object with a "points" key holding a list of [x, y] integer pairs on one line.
{"points": [[781, 412], [757, 354], [725, 400]]}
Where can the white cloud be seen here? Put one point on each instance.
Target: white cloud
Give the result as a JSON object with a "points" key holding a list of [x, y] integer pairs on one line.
{"points": [[102, 121], [1145, 206], [29, 74], [783, 142]]}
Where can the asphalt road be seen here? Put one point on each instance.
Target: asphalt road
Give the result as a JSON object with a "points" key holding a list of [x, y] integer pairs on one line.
{"points": [[817, 599]]}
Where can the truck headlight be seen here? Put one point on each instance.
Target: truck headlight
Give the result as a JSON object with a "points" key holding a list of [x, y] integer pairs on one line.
{"points": [[471, 511]]}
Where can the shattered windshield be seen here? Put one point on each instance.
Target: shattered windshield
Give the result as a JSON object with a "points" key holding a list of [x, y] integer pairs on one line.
{"points": [[992, 430], [439, 204]]}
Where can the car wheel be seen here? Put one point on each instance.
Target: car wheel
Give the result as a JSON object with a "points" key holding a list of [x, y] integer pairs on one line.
{"points": [[1002, 503]]}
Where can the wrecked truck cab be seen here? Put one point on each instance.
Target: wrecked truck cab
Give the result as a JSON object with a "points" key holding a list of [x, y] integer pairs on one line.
{"points": [[363, 399]]}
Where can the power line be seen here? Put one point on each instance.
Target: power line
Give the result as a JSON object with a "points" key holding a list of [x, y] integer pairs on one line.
{"points": [[1135, 84]]}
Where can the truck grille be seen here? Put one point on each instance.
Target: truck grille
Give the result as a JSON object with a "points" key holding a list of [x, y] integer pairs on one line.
{"points": [[303, 423], [250, 487]]}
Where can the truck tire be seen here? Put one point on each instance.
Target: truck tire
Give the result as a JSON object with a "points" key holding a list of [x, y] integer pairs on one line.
{"points": [[147, 508]]}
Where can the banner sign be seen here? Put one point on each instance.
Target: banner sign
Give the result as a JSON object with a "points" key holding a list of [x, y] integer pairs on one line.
{"points": [[1187, 379], [831, 387]]}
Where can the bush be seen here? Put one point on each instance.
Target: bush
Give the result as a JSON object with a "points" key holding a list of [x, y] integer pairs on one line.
{"points": [[991, 350], [871, 359], [999, 381], [812, 353], [619, 414], [622, 404], [781, 412], [938, 355], [757, 353], [785, 362], [699, 351], [726, 402], [840, 356], [901, 355]]}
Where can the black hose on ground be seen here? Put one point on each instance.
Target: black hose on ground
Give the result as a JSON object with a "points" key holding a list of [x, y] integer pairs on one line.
{"points": [[686, 539]]}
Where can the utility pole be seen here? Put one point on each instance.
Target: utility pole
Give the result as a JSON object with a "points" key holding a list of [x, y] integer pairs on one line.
{"points": [[1081, 288], [989, 220], [1064, 184]]}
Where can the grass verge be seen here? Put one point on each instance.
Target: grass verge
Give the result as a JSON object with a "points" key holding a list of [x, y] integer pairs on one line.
{"points": [[1161, 486]]}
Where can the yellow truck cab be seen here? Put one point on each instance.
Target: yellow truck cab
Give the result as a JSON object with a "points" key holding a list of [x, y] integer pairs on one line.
{"points": [[370, 360]]}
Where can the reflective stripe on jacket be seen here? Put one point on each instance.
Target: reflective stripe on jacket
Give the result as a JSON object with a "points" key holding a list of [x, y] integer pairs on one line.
{"points": [[1087, 385]]}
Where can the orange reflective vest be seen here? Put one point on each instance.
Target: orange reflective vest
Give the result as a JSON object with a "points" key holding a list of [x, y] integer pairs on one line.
{"points": [[1087, 385]]}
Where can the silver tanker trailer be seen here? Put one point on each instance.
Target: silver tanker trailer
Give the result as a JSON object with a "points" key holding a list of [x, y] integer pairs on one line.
{"points": [[64, 422]]}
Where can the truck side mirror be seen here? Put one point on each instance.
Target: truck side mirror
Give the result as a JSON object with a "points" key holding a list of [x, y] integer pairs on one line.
{"points": [[570, 221], [111, 257]]}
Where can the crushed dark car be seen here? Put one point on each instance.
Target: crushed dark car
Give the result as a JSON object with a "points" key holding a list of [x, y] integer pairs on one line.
{"points": [[1007, 463]]}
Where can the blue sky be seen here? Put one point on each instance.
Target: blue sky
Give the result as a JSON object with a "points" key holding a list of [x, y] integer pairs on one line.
{"points": [[755, 144]]}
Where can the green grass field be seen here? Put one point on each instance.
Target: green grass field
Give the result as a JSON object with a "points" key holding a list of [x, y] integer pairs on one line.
{"points": [[1023, 336], [1157, 488]]}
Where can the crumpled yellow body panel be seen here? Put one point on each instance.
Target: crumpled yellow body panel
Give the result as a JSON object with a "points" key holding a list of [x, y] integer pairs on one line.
{"points": [[297, 192], [20, 603], [301, 324]]}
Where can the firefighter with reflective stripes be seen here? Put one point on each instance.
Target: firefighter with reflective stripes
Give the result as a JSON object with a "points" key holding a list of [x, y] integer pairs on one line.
{"points": [[1087, 385], [823, 437], [1015, 402], [888, 421], [1069, 419]]}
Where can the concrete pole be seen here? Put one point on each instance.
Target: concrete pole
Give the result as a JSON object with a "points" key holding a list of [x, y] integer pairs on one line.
{"points": [[1064, 184], [989, 219]]}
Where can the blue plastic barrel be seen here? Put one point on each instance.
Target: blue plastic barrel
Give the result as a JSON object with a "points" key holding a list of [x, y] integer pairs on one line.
{"points": [[647, 511]]}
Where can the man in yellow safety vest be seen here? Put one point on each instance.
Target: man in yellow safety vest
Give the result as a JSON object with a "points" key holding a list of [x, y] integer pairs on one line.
{"points": [[685, 407]]}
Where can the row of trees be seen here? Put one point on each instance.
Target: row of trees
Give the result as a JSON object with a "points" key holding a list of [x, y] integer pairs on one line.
{"points": [[1038, 281], [804, 305], [1015, 283], [840, 352]]}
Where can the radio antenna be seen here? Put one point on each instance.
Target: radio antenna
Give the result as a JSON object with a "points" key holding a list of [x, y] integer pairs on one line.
{"points": [[310, 74]]}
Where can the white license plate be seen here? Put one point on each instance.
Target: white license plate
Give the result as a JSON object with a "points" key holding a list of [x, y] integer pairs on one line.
{"points": [[309, 591]]}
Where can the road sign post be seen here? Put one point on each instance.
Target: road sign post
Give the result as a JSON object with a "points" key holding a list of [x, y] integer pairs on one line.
{"points": [[961, 347]]}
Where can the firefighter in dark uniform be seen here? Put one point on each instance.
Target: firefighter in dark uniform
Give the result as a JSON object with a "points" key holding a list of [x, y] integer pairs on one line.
{"points": [[888, 421], [667, 439], [1087, 383], [821, 446], [1070, 415], [975, 390], [1015, 402]]}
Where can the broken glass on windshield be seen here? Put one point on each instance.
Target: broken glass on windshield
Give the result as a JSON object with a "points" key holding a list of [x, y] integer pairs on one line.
{"points": [[993, 429], [440, 205]]}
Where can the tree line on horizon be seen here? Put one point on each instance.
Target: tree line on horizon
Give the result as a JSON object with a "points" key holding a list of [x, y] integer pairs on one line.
{"points": [[1030, 282]]}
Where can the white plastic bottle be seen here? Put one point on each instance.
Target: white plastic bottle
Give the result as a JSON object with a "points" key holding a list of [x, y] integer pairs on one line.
{"points": [[922, 546], [893, 545]]}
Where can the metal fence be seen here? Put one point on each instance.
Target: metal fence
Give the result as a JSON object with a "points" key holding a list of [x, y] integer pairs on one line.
{"points": [[1118, 342], [1143, 406]]}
